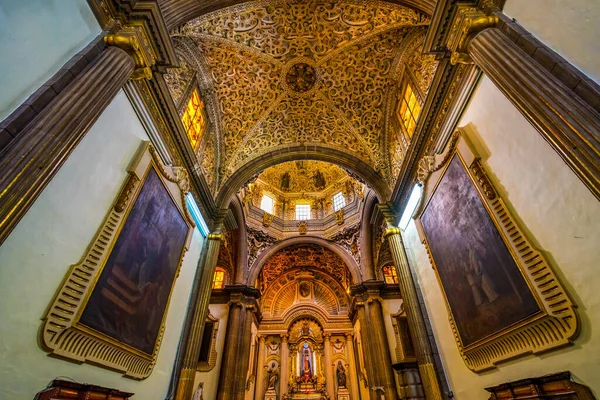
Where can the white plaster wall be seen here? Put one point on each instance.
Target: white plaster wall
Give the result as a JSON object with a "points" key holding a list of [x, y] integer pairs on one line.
{"points": [[391, 306], [211, 378], [562, 217], [569, 27], [54, 234], [39, 37]]}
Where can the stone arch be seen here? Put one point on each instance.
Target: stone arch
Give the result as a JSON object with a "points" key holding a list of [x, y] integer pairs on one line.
{"points": [[351, 264], [301, 310], [294, 153]]}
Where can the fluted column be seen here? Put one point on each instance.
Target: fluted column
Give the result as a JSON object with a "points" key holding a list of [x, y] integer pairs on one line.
{"points": [[382, 357], [418, 331], [352, 367], [260, 370], [366, 343], [329, 366], [284, 371], [196, 317], [31, 160], [236, 355], [565, 121]]}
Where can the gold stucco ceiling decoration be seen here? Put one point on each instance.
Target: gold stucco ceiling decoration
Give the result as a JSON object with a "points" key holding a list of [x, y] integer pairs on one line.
{"points": [[302, 72], [302, 176], [308, 256]]}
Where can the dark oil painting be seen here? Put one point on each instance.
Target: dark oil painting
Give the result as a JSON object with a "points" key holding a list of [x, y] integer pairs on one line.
{"points": [[131, 294], [483, 285]]}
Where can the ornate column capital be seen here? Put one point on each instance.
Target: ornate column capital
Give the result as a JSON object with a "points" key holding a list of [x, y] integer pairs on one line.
{"points": [[284, 337], [468, 22], [261, 338], [216, 236], [135, 41], [327, 336], [349, 336]]}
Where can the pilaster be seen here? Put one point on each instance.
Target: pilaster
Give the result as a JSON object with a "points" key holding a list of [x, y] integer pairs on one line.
{"points": [[196, 317], [285, 365], [328, 366], [352, 367], [416, 323]]}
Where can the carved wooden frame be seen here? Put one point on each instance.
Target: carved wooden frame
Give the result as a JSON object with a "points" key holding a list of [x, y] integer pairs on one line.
{"points": [[557, 324], [205, 366], [61, 333]]}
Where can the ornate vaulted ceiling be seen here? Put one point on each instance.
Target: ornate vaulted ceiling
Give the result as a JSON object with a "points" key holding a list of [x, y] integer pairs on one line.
{"points": [[301, 72], [302, 176]]}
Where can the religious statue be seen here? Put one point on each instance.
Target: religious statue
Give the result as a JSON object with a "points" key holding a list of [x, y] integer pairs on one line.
{"points": [[319, 180], [305, 331], [285, 182], [340, 374], [272, 377], [306, 365]]}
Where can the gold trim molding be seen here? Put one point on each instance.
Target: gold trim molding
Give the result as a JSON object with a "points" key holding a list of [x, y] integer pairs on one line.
{"points": [[557, 324], [61, 333]]}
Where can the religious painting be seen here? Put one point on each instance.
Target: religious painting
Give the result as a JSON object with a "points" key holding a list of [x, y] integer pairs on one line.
{"points": [[131, 295], [112, 306], [484, 286], [502, 296]]}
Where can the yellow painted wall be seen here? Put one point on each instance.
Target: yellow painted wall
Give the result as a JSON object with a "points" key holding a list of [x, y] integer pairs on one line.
{"points": [[562, 217], [54, 234], [569, 27]]}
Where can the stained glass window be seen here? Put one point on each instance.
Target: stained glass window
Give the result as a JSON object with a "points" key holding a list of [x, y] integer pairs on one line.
{"points": [[219, 279], [409, 110], [339, 201], [302, 212], [193, 119], [389, 274]]}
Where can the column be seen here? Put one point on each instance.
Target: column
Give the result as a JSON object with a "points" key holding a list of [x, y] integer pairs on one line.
{"points": [[37, 153], [565, 121], [416, 324], [229, 361], [353, 375], [260, 370], [284, 373], [382, 357], [236, 355], [329, 366], [189, 348], [366, 342]]}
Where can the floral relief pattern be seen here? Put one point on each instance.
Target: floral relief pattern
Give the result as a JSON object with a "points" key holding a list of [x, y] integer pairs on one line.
{"points": [[349, 47]]}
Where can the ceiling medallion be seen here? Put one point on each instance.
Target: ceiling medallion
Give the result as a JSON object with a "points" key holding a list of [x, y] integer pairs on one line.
{"points": [[301, 77]]}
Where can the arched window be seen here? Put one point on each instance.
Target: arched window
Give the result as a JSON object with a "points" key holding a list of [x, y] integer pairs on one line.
{"points": [[339, 201], [408, 110], [193, 119], [219, 278], [267, 203], [389, 274]]}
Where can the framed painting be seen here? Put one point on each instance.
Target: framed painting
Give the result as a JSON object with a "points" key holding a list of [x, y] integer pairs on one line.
{"points": [[111, 308], [502, 297]]}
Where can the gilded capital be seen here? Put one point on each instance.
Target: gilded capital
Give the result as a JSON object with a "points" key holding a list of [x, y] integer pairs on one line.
{"points": [[468, 22], [216, 236], [133, 39], [391, 231]]}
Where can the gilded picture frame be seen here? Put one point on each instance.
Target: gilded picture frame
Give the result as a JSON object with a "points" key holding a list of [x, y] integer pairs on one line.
{"points": [[63, 333], [551, 321]]}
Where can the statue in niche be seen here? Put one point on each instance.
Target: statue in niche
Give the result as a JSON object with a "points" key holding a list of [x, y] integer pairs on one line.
{"points": [[340, 374], [272, 376], [319, 180], [307, 373], [284, 185], [305, 331]]}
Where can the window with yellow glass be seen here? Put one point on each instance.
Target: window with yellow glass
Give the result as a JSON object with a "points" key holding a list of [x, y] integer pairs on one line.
{"points": [[409, 110], [219, 279], [389, 274], [193, 119]]}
